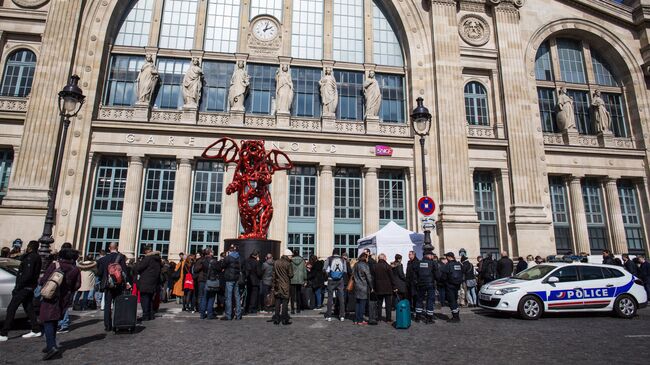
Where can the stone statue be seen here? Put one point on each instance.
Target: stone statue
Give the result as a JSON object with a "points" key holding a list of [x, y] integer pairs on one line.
{"points": [[192, 84], [238, 87], [329, 93], [373, 95], [566, 120], [600, 115], [147, 80], [283, 89]]}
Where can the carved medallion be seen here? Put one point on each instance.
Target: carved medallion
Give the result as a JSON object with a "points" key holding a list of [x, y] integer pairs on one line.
{"points": [[474, 30], [30, 3]]}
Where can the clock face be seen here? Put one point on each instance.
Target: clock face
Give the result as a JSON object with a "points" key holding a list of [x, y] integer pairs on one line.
{"points": [[265, 29]]}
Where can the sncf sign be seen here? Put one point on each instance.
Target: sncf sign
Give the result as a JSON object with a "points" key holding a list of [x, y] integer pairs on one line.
{"points": [[381, 150]]}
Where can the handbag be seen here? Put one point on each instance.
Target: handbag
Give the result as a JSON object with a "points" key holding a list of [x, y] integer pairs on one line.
{"points": [[189, 282], [471, 283], [212, 285], [269, 300], [350, 286]]}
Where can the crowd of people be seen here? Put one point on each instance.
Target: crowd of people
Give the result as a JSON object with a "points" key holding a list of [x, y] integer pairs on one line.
{"points": [[360, 289]]}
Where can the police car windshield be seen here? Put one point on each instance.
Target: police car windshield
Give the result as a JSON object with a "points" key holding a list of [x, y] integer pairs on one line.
{"points": [[535, 272]]}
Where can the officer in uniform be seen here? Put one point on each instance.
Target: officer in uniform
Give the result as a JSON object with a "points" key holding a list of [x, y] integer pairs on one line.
{"points": [[427, 274], [453, 277]]}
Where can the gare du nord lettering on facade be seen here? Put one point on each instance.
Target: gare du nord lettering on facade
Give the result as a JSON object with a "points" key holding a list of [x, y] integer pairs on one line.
{"points": [[538, 141]]}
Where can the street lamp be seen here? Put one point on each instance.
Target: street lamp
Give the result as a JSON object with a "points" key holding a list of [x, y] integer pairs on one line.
{"points": [[71, 99], [421, 122]]}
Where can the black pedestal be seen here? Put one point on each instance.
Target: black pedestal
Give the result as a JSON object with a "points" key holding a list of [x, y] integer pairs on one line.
{"points": [[247, 246]]}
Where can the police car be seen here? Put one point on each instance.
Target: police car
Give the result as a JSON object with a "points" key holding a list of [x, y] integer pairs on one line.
{"points": [[566, 287]]}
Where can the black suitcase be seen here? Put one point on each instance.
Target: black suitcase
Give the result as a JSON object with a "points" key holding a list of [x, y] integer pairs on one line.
{"points": [[372, 312], [125, 313]]}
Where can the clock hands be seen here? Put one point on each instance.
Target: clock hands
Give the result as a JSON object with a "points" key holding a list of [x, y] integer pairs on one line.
{"points": [[267, 27]]}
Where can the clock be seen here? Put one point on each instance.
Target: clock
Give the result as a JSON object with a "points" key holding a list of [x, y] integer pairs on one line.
{"points": [[266, 28]]}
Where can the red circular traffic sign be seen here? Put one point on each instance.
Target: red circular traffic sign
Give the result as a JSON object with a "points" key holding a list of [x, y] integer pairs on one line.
{"points": [[426, 205]]}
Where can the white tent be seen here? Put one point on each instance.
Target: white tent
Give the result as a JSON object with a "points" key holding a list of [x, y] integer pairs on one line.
{"points": [[391, 240]]}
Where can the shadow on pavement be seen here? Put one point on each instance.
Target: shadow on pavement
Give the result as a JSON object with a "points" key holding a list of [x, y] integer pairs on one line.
{"points": [[77, 325], [73, 344]]}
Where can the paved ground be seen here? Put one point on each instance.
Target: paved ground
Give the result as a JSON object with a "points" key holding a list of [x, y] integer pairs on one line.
{"points": [[481, 338]]}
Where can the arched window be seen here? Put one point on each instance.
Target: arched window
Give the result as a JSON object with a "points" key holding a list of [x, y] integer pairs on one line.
{"points": [[176, 28], [476, 105], [19, 74], [571, 56]]}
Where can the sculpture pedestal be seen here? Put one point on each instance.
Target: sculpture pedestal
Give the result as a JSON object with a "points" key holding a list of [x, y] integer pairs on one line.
{"points": [[328, 122], [247, 246], [141, 112], [372, 125], [606, 139], [570, 136], [283, 120], [236, 117], [190, 115]]}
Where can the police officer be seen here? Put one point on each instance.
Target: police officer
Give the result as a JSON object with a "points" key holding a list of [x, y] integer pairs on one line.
{"points": [[426, 276], [453, 277]]}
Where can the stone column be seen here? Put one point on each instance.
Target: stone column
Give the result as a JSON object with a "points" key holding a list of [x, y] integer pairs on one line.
{"points": [[131, 209], [579, 219], [531, 224], [230, 211], [325, 236], [370, 202], [458, 223], [279, 225], [181, 208], [617, 227], [30, 180]]}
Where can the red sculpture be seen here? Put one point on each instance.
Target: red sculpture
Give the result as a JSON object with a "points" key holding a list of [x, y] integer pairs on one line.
{"points": [[255, 168]]}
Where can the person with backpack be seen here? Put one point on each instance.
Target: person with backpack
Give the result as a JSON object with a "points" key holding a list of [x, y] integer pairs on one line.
{"points": [[113, 273], [59, 282], [469, 281], [232, 273], [426, 276], [453, 277], [148, 270], [335, 268], [505, 266], [23, 292]]}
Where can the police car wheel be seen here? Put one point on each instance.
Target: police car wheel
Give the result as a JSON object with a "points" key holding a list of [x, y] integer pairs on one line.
{"points": [[625, 307], [530, 307]]}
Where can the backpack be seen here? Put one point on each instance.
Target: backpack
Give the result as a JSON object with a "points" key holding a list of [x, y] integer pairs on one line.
{"points": [[115, 275], [456, 275], [336, 268], [212, 283], [51, 288], [489, 271]]}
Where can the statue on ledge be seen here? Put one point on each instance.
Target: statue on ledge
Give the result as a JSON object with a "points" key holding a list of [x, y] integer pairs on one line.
{"points": [[600, 115], [329, 93], [283, 89], [373, 95], [147, 81], [192, 84], [565, 117], [239, 83]]}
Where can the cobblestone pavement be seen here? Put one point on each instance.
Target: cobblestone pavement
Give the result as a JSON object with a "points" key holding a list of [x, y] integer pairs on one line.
{"points": [[480, 338]]}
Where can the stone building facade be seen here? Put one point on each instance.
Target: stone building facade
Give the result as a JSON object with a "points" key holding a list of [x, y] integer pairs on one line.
{"points": [[513, 163]]}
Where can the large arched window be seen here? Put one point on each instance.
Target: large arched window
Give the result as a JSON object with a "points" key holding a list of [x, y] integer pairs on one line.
{"points": [[579, 67], [476, 104], [19, 74], [218, 30]]}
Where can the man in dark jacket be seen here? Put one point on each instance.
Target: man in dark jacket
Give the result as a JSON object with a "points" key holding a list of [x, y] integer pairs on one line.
{"points": [[148, 270], [282, 274], [453, 277], [384, 286], [644, 273], [111, 293], [629, 265], [488, 270], [253, 278], [200, 275], [23, 293], [505, 266], [411, 279], [232, 270], [608, 258], [426, 274]]}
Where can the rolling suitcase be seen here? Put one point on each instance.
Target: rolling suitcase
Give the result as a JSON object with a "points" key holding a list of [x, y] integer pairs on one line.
{"points": [[403, 314], [125, 313]]}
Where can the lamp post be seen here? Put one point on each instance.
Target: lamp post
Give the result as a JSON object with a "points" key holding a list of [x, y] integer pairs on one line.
{"points": [[71, 99], [421, 122]]}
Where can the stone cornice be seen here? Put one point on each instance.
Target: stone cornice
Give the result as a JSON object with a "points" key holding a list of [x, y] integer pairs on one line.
{"points": [[618, 11]]}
